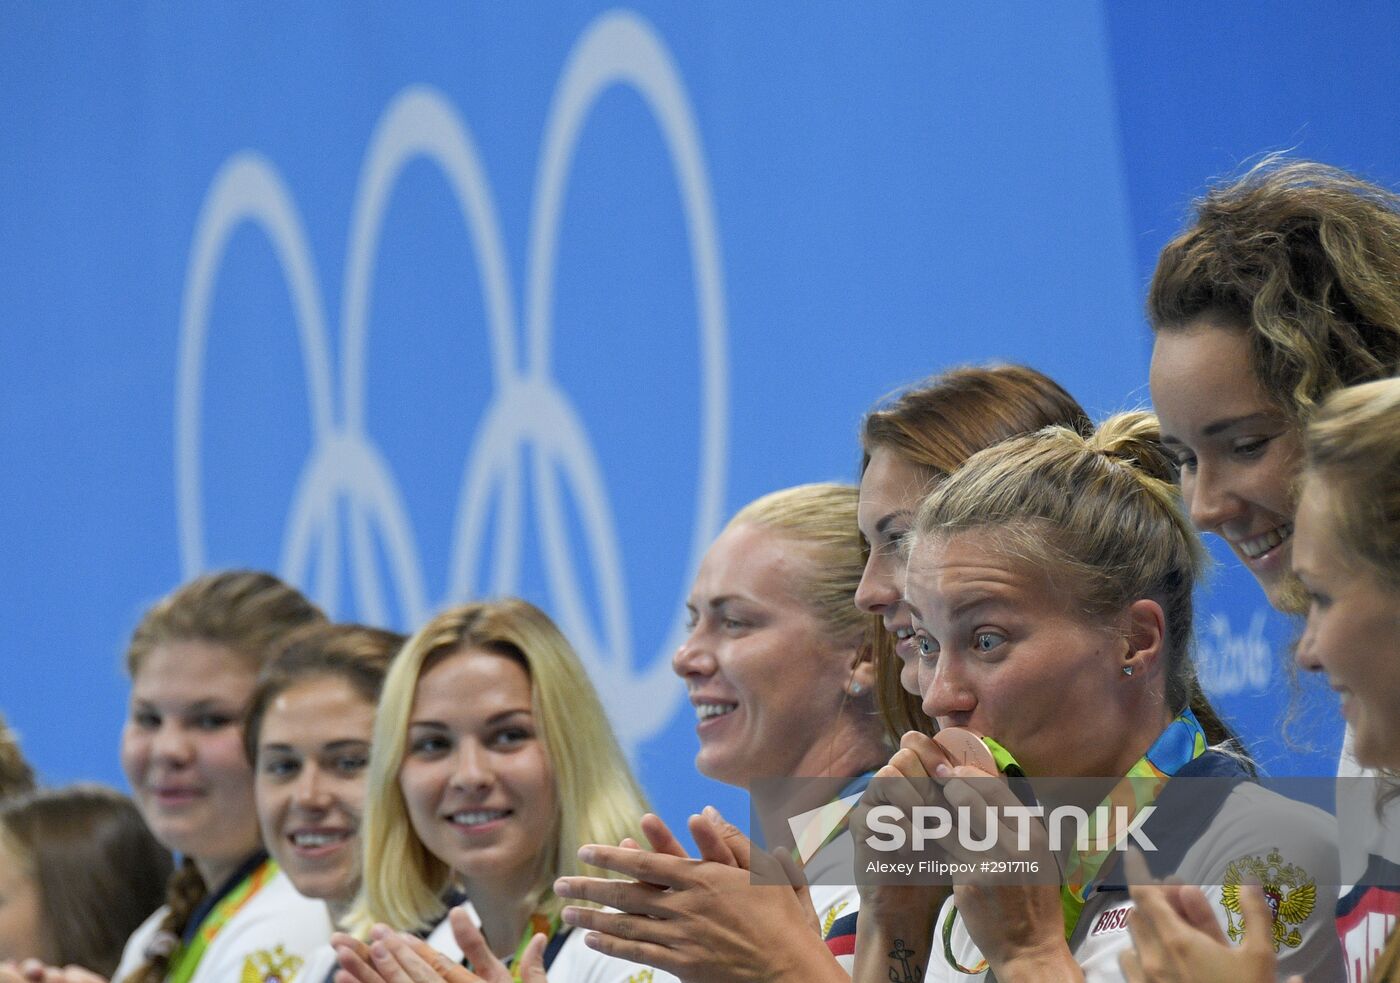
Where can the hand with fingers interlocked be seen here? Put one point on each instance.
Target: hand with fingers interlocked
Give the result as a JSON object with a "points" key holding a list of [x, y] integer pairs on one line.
{"points": [[702, 919], [397, 957]]}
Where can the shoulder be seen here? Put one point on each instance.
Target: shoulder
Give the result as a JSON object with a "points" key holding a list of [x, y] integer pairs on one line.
{"points": [[576, 963], [134, 952], [268, 938]]}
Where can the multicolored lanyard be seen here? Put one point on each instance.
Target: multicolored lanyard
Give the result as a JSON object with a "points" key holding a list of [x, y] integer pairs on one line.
{"points": [[537, 924], [1182, 742], [186, 957]]}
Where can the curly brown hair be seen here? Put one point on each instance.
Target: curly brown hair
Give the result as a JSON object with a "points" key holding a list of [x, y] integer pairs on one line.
{"points": [[1303, 257]]}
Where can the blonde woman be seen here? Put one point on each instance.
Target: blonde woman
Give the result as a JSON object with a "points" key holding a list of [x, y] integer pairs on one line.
{"points": [[492, 763], [780, 667], [1050, 585]]}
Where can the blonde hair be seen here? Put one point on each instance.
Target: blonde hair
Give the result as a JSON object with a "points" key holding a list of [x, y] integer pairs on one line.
{"points": [[822, 517], [247, 612], [598, 799], [1304, 258], [1353, 443], [936, 426], [1102, 516]]}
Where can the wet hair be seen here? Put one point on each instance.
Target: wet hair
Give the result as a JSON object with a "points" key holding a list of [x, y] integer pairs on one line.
{"points": [[598, 800], [1353, 446], [1305, 259], [97, 870], [938, 424], [355, 654], [249, 613], [16, 776], [1102, 515]]}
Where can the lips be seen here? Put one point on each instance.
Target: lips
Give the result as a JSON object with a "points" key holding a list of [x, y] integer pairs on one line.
{"points": [[175, 795], [319, 840], [478, 820], [1257, 546]]}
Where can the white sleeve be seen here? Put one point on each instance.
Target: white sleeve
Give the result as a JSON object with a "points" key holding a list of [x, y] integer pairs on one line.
{"points": [[134, 953]]}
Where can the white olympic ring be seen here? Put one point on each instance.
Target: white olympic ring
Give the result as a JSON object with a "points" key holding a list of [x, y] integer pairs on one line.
{"points": [[527, 408]]}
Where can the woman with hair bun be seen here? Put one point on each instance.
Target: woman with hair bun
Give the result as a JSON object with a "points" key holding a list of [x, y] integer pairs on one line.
{"points": [[1050, 586], [230, 914], [79, 870]]}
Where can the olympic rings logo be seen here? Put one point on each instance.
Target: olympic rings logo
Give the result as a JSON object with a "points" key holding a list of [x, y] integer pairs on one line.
{"points": [[527, 412]]}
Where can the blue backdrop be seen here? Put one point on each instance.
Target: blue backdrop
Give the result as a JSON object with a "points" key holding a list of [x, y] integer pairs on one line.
{"points": [[415, 304]]}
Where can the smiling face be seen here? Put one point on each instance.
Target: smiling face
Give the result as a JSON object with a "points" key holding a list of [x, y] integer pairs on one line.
{"points": [[1353, 631], [313, 748], [890, 492], [475, 777], [765, 677], [182, 753], [1002, 654], [1239, 454]]}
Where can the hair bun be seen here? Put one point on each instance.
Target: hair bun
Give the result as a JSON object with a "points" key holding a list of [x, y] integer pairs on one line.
{"points": [[1135, 439]]}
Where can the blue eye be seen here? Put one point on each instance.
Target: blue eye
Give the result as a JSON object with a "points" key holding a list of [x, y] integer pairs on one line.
{"points": [[927, 647], [511, 737], [985, 641]]}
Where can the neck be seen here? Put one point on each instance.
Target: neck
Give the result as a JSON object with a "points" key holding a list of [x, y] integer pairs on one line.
{"points": [[215, 871], [504, 913]]}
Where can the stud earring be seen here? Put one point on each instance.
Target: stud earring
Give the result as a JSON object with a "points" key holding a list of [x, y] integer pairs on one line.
{"points": [[857, 689], [1127, 670]]}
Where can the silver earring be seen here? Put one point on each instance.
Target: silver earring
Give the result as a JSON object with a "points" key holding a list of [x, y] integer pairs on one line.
{"points": [[1127, 670], [857, 689]]}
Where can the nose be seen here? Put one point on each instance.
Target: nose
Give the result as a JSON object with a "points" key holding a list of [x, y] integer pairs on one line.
{"points": [[171, 744], [877, 592], [693, 658], [310, 792], [1209, 500], [1305, 652], [944, 689], [474, 770]]}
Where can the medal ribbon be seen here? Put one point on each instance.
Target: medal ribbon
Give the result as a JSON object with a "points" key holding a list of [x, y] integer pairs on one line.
{"points": [[1182, 742], [186, 958]]}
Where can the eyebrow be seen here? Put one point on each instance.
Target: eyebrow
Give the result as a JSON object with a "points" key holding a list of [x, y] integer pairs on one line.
{"points": [[885, 520], [495, 718], [1220, 426]]}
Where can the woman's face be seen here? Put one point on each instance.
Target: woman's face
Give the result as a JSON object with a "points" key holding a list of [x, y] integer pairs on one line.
{"points": [[313, 749], [764, 675], [1239, 453], [182, 752], [21, 920], [475, 775], [1003, 654], [890, 492], [1353, 631]]}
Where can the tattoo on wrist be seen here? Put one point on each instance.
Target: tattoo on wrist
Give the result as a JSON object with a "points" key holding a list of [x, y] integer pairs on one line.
{"points": [[902, 970]]}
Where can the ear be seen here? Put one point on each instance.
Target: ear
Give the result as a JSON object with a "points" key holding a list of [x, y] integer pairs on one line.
{"points": [[862, 678], [1146, 630]]}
